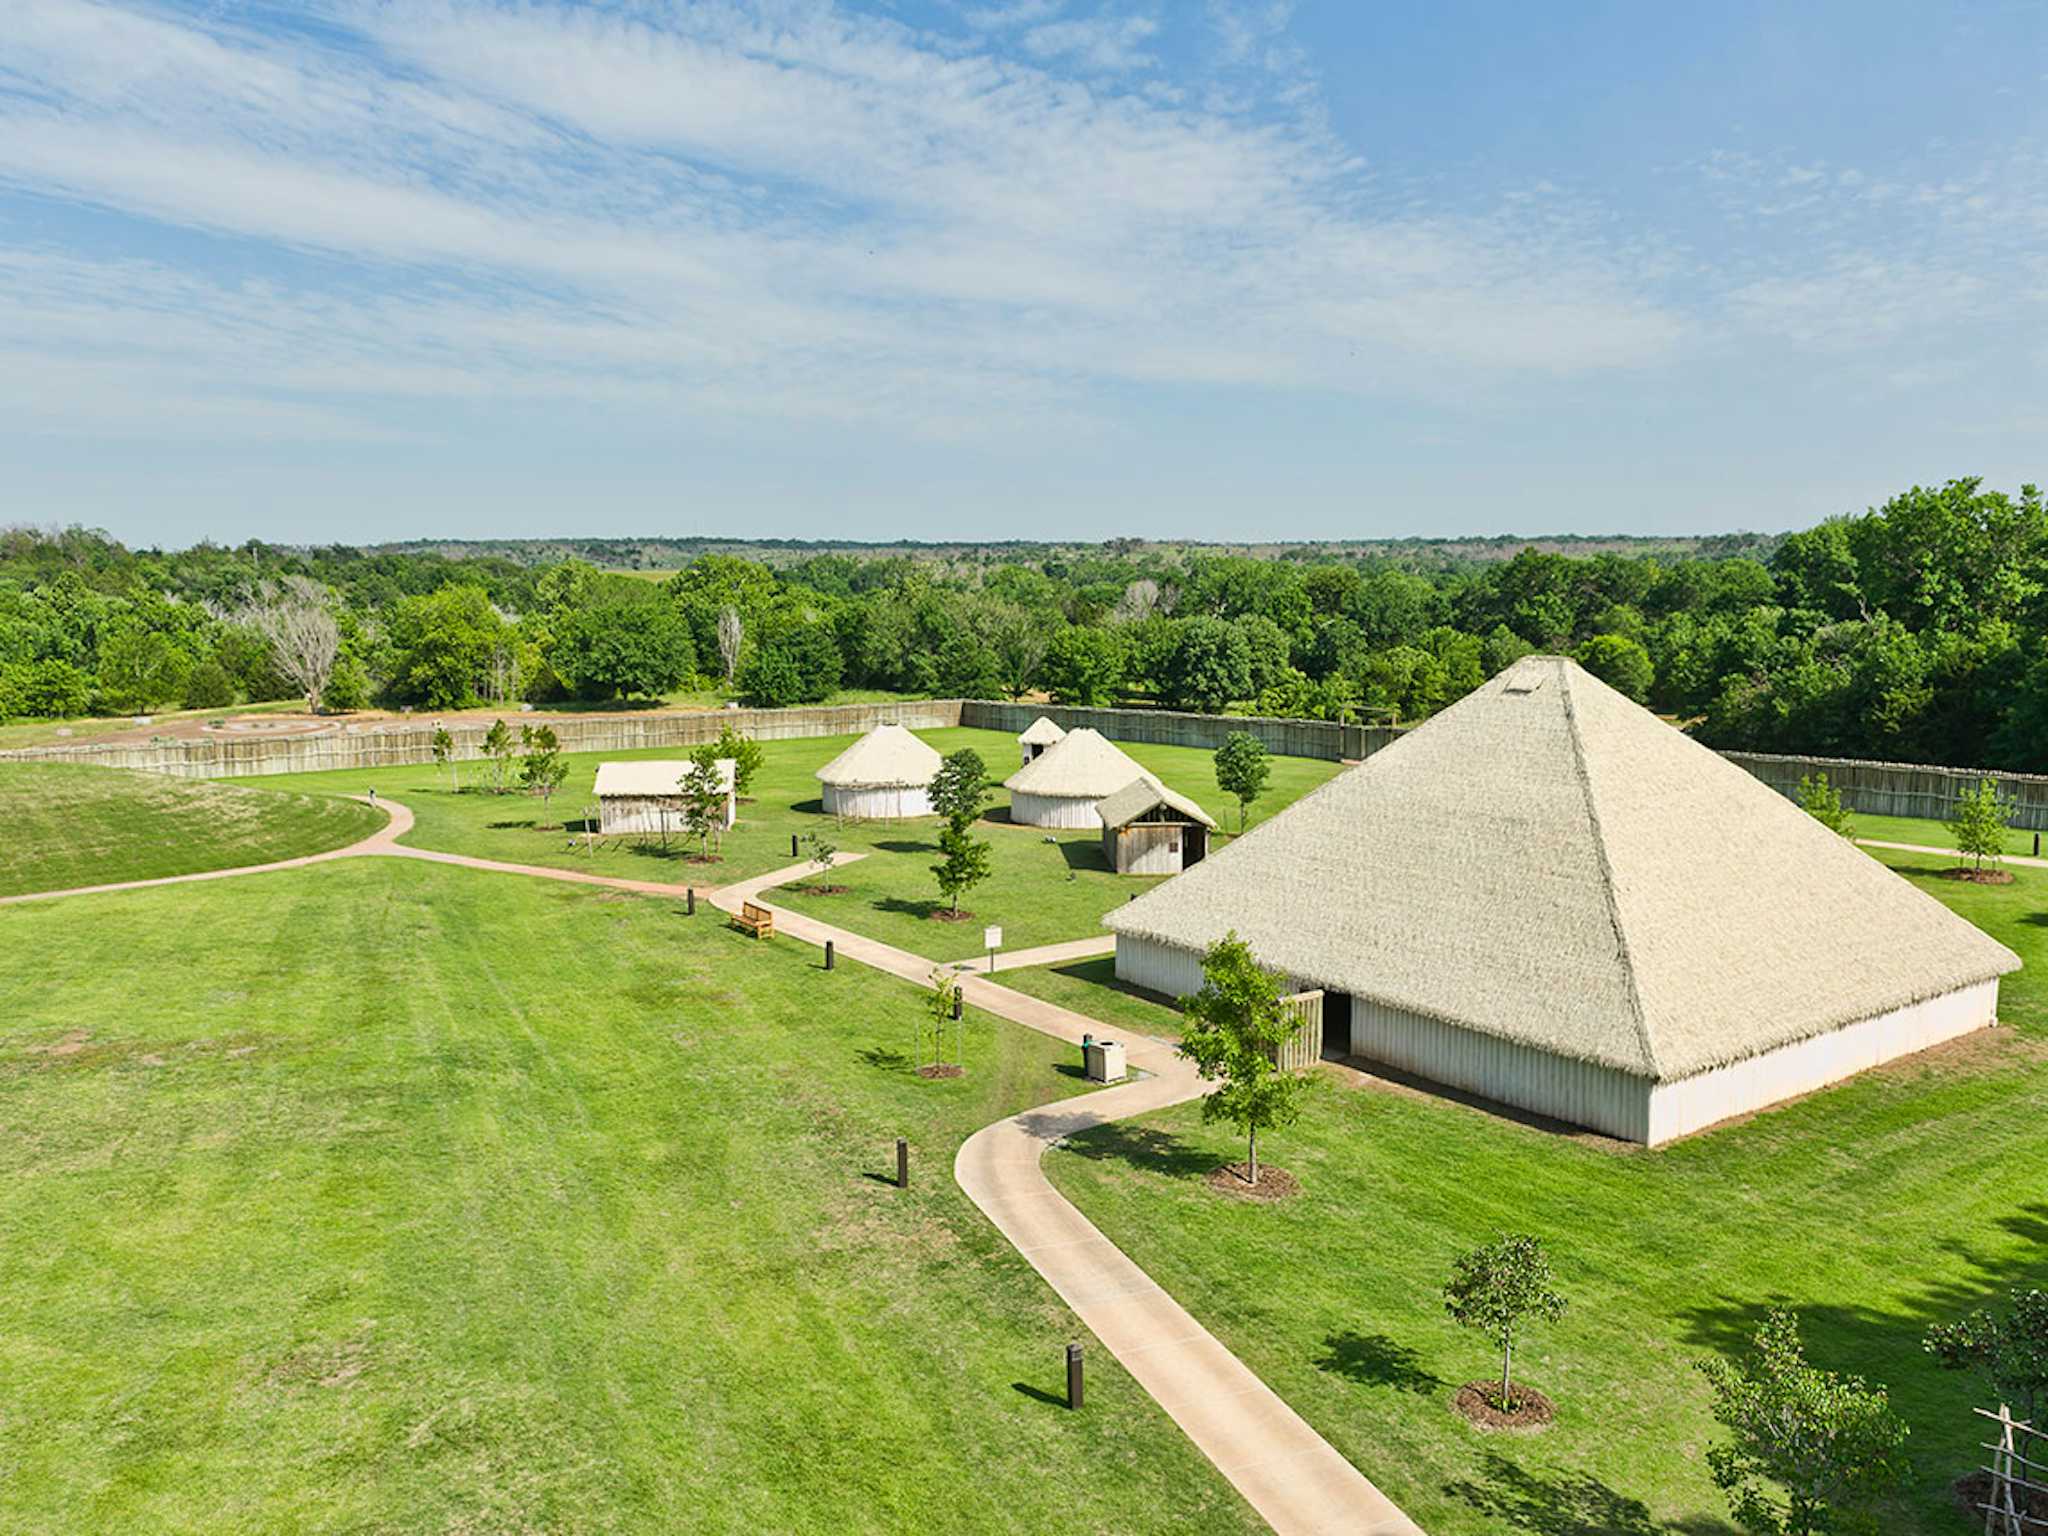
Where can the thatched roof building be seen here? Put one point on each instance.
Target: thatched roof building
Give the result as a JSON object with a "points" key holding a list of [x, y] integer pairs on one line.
{"points": [[1036, 737], [1062, 786], [646, 795], [884, 775], [1548, 896], [1148, 829]]}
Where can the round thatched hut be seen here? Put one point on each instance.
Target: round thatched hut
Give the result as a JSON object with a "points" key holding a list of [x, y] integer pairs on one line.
{"points": [[1038, 737], [1063, 785], [885, 775]]}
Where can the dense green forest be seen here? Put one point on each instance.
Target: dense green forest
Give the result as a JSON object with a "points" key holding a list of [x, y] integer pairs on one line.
{"points": [[1913, 631]]}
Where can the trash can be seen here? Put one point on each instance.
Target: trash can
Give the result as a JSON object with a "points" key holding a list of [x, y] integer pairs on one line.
{"points": [[1105, 1061]]}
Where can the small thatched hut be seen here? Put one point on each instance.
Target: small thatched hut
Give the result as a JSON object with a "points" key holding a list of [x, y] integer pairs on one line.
{"points": [[647, 796], [1147, 829], [1039, 735], [1549, 897], [1062, 786], [885, 775]]}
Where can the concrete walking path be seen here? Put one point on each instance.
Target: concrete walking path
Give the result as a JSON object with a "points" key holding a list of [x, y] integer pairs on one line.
{"points": [[1294, 1478], [2024, 860], [1044, 954]]}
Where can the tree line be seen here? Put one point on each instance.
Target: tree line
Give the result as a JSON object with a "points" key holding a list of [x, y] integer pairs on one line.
{"points": [[1912, 631]]}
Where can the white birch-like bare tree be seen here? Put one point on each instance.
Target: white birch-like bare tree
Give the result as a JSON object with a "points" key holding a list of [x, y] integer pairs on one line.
{"points": [[730, 632], [296, 620]]}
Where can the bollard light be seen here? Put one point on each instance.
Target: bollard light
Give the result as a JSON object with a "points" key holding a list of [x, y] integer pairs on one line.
{"points": [[828, 954], [792, 845], [956, 1003], [1074, 1376], [690, 901], [902, 1163]]}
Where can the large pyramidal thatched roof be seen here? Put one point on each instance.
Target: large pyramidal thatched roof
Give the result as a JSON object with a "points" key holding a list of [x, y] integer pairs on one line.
{"points": [[887, 757], [1549, 863], [1082, 765]]}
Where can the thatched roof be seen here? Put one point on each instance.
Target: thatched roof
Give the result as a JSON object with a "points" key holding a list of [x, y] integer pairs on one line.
{"points": [[650, 777], [887, 757], [1146, 794], [1082, 765], [1041, 733], [1549, 863]]}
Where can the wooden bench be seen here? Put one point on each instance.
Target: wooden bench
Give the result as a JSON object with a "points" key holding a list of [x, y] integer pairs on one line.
{"points": [[758, 921]]}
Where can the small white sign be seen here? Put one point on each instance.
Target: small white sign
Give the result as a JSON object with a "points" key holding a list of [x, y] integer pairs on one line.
{"points": [[991, 938]]}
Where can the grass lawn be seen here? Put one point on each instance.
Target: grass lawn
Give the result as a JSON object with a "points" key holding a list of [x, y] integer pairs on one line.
{"points": [[71, 826], [1040, 892], [1903, 1197], [1929, 834], [389, 1197], [1091, 987]]}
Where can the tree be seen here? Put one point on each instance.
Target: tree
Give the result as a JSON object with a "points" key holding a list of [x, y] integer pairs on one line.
{"points": [[1831, 1445], [941, 1007], [498, 748], [1242, 768], [448, 647], [958, 791], [632, 649], [1979, 821], [140, 668], [444, 754], [542, 769], [745, 755], [2011, 1349], [1621, 663], [208, 686], [1234, 1028], [297, 623], [1209, 667], [1084, 665], [732, 631], [822, 853], [704, 792], [1499, 1288], [1823, 802]]}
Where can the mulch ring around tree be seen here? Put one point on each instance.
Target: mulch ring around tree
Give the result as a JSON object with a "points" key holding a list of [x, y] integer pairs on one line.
{"points": [[1978, 876], [1973, 1491], [1475, 1400], [1233, 1179], [945, 915], [941, 1069]]}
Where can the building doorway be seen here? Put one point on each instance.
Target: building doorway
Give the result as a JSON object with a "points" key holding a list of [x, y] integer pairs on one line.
{"points": [[1336, 1024]]}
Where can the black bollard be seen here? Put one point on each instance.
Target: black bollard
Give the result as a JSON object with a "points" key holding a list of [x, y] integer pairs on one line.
{"points": [[2037, 845], [956, 1002], [690, 901], [1074, 1376], [829, 952], [902, 1163], [792, 845]]}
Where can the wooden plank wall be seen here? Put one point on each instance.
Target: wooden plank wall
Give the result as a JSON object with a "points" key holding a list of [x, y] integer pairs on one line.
{"points": [[1900, 789], [1303, 1048]]}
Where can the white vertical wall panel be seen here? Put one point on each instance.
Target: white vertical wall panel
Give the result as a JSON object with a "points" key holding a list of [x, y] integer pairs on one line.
{"points": [[1692, 1103], [1157, 967], [877, 803], [1053, 811]]}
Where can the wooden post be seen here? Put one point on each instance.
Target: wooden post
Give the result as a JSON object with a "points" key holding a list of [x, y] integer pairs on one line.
{"points": [[902, 1163], [1074, 1376]]}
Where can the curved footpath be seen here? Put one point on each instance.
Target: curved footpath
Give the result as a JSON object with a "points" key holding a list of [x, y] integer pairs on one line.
{"points": [[1293, 1477], [1290, 1474]]}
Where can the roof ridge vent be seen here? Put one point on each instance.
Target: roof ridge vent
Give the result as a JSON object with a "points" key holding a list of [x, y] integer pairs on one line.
{"points": [[1524, 677]]}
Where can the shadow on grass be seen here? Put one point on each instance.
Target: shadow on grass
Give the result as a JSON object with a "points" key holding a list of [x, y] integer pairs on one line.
{"points": [[1083, 853], [1069, 1069], [885, 1058], [1142, 1147], [1564, 1504], [903, 845], [1101, 972], [1039, 1394], [905, 908], [1377, 1361], [512, 826]]}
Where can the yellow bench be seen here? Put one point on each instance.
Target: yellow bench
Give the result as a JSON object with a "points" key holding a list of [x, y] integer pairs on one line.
{"points": [[758, 921]]}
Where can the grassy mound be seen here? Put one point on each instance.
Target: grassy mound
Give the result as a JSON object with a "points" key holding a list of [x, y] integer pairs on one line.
{"points": [[407, 1198], [70, 826]]}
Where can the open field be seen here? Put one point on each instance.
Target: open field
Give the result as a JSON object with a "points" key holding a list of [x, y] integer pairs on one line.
{"points": [[1091, 987], [391, 1197], [1899, 1198], [1040, 892], [1930, 834], [70, 826]]}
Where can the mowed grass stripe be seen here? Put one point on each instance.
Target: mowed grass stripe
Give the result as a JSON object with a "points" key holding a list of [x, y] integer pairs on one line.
{"points": [[70, 826], [393, 1197]]}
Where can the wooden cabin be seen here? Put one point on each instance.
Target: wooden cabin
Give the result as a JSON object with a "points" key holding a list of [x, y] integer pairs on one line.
{"points": [[1147, 829]]}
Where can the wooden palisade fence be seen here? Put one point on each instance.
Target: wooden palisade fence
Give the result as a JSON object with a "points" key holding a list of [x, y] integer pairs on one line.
{"points": [[2018, 1474]]}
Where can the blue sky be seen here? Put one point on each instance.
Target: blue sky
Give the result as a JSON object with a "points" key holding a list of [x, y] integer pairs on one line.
{"points": [[1207, 268]]}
